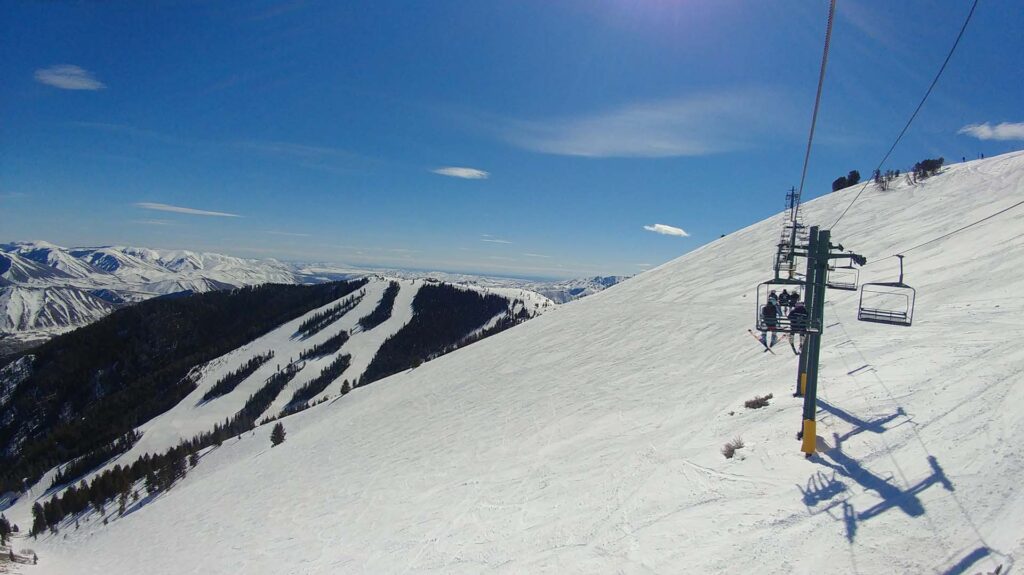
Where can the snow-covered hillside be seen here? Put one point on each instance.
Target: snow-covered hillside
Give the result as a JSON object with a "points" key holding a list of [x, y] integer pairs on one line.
{"points": [[558, 291], [31, 309], [588, 440], [198, 412]]}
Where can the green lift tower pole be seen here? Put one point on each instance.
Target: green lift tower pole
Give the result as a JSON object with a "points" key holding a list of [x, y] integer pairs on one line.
{"points": [[819, 254], [809, 284], [817, 278]]}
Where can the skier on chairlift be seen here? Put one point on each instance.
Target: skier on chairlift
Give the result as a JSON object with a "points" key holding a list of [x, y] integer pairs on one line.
{"points": [[785, 300], [770, 315], [798, 316]]}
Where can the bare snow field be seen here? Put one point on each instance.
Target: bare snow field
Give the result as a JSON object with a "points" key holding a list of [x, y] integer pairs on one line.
{"points": [[588, 439]]}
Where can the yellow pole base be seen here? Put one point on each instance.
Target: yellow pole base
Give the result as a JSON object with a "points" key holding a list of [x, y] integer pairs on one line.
{"points": [[810, 438], [803, 384]]}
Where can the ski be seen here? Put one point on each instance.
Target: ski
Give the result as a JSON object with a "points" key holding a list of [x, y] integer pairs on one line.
{"points": [[784, 337], [754, 335]]}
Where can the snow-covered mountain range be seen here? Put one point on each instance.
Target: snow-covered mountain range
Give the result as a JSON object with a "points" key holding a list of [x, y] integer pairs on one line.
{"points": [[589, 439], [46, 289]]}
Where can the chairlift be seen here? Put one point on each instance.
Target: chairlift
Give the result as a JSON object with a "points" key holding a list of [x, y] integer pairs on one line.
{"points": [[891, 303], [780, 323], [843, 277]]}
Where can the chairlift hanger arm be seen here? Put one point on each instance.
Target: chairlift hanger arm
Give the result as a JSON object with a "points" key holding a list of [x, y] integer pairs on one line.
{"points": [[856, 258]]}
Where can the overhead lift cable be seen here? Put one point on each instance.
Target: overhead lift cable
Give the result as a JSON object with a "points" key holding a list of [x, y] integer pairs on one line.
{"points": [[912, 116], [817, 97], [946, 235]]}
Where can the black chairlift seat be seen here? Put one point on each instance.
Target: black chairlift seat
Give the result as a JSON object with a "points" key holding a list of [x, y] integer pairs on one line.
{"points": [[781, 323], [890, 303]]}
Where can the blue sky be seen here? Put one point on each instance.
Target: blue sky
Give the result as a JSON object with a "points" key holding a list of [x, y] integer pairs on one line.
{"points": [[326, 131]]}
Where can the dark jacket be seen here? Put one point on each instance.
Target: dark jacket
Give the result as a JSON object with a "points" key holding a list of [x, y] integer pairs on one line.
{"points": [[798, 317], [770, 315]]}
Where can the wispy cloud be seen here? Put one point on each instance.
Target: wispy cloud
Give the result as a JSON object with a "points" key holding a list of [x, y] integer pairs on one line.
{"points": [[307, 156], [289, 234], [692, 126], [495, 241], [153, 222], [182, 210], [293, 149], [667, 230], [326, 158], [68, 77], [529, 255], [464, 173], [1003, 131]]}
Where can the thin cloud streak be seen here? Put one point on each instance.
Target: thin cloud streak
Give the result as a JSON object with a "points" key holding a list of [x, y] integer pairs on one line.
{"points": [[1002, 131], [495, 241], [153, 222], [463, 173], [289, 234], [182, 210], [316, 157], [695, 125], [68, 77], [293, 149], [667, 230]]}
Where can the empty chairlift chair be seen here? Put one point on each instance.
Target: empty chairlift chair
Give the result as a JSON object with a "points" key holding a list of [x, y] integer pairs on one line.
{"points": [[843, 277], [890, 303]]}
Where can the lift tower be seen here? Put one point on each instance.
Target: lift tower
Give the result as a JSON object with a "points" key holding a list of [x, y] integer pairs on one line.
{"points": [[818, 251]]}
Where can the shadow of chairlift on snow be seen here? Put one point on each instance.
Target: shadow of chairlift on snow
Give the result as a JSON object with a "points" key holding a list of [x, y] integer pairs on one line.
{"points": [[970, 559], [892, 496], [876, 425], [822, 488]]}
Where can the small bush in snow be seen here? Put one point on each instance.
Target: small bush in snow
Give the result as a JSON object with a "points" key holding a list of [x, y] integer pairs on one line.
{"points": [[758, 402], [730, 448]]}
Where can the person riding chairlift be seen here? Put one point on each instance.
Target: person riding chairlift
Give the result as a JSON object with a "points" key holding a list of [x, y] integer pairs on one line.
{"points": [[770, 315]]}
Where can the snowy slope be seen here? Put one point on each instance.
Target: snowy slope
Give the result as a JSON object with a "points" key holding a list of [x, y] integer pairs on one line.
{"points": [[15, 269], [28, 309], [193, 415], [587, 440], [558, 291]]}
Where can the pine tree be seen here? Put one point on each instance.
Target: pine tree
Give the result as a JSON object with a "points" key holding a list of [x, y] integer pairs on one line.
{"points": [[38, 520], [152, 485], [5, 530], [277, 435]]}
